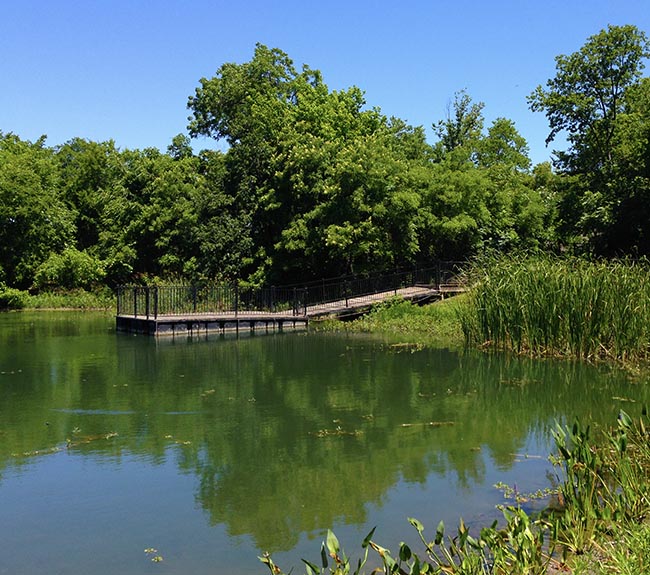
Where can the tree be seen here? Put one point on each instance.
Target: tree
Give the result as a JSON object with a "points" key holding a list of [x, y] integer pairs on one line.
{"points": [[88, 170], [181, 147], [234, 104], [247, 105], [311, 175], [503, 146], [221, 235], [318, 184], [463, 126], [150, 215], [629, 184], [366, 216], [480, 193], [587, 93], [596, 98], [34, 220]]}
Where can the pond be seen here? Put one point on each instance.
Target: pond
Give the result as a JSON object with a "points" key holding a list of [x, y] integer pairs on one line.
{"points": [[214, 450]]}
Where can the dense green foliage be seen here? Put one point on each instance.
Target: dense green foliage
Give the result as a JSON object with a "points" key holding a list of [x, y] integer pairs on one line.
{"points": [[602, 494], [34, 219], [599, 99], [314, 183], [11, 298], [78, 299], [572, 307]]}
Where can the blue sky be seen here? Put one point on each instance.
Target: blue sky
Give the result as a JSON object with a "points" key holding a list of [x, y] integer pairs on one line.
{"points": [[123, 69]]}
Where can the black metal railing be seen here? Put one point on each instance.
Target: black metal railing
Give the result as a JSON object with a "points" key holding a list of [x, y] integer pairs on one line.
{"points": [[359, 287], [155, 301]]}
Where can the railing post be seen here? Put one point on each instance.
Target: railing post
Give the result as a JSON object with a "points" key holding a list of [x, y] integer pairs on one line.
{"points": [[135, 302], [146, 301], [193, 299], [295, 301], [305, 293], [236, 299], [155, 302]]}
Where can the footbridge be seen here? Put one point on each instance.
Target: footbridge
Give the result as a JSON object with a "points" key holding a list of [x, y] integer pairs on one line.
{"points": [[171, 310]]}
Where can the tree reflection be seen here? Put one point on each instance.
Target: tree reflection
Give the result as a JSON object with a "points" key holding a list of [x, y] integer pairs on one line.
{"points": [[285, 434]]}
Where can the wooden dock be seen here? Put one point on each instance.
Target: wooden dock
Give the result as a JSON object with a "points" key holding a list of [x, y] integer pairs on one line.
{"points": [[192, 310], [200, 323], [268, 322]]}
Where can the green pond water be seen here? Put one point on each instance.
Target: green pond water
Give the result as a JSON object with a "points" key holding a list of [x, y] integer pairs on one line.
{"points": [[215, 450]]}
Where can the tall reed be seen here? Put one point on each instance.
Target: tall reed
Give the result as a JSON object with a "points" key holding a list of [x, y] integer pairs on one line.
{"points": [[560, 306]]}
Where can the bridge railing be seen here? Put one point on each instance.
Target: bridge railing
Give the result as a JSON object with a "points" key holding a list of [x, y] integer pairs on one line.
{"points": [[155, 301], [335, 290]]}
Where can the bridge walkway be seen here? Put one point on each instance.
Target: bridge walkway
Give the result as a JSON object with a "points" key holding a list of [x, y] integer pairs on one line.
{"points": [[170, 310]]}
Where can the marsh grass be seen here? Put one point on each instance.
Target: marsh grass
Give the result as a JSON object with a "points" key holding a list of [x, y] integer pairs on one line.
{"points": [[550, 306]]}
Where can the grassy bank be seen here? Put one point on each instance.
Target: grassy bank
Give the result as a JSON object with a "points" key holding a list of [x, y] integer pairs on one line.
{"points": [[436, 324], [598, 524], [540, 306]]}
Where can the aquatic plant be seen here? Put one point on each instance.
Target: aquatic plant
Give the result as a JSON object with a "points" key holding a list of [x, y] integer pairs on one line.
{"points": [[545, 305]]}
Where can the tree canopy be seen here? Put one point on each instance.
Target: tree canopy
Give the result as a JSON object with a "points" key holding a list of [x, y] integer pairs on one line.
{"points": [[313, 182], [333, 186], [594, 98]]}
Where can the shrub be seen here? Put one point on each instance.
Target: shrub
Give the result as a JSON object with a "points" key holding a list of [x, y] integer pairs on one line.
{"points": [[11, 298], [70, 269]]}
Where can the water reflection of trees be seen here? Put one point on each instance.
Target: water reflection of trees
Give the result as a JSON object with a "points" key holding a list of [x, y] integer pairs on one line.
{"points": [[285, 434]]}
